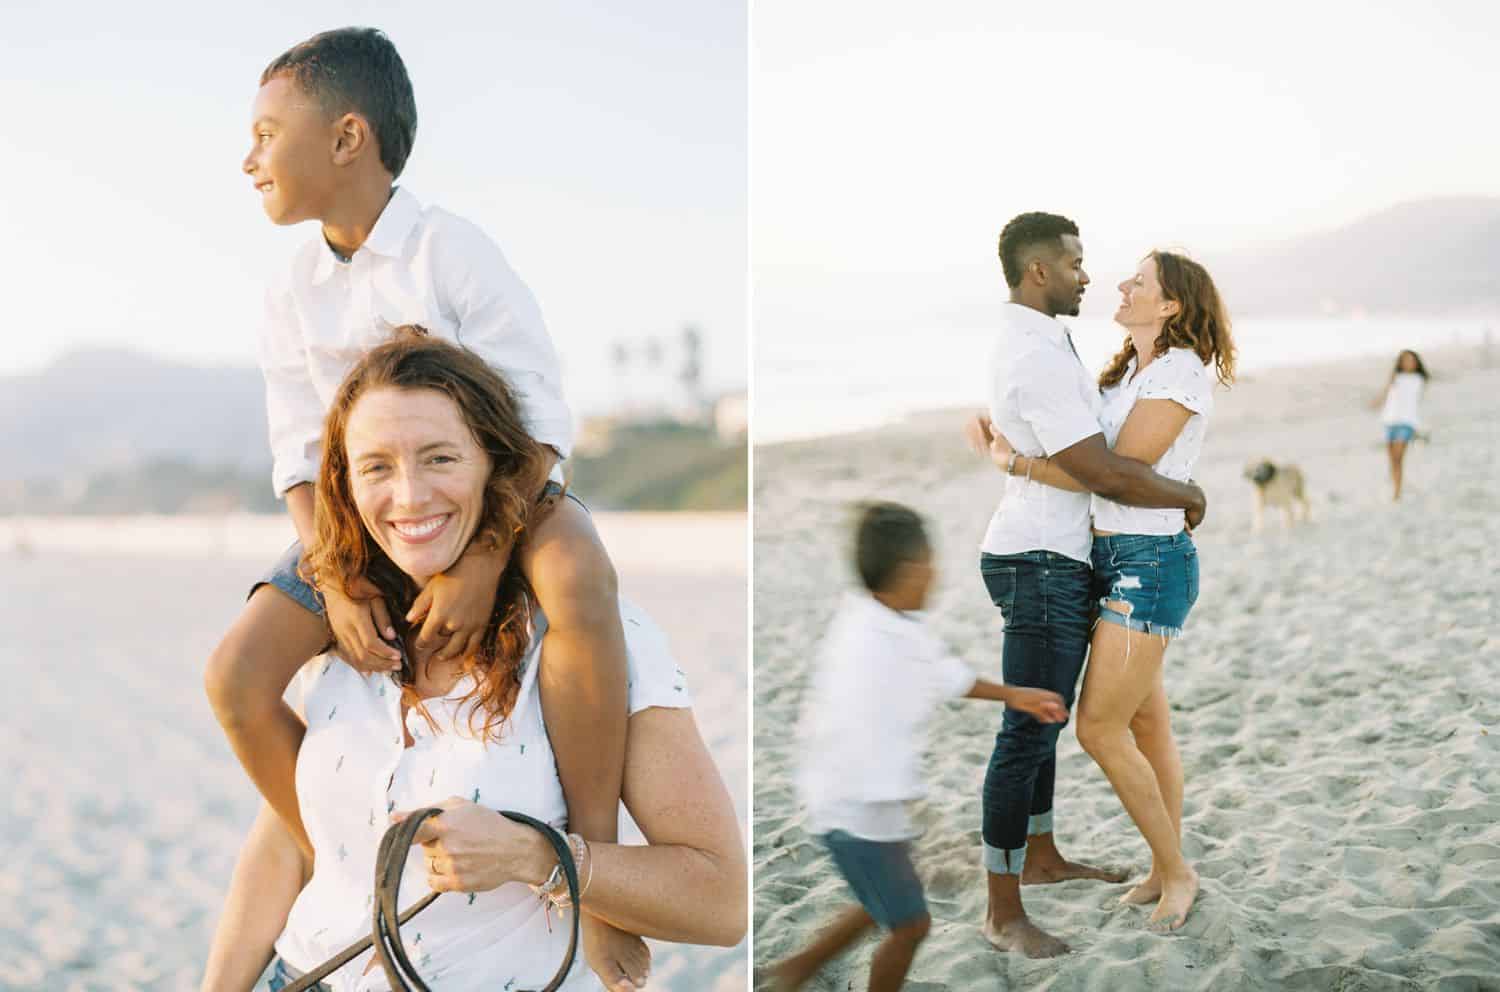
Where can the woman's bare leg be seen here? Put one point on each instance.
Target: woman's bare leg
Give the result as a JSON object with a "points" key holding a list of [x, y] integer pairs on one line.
{"points": [[1124, 669], [1152, 729]]}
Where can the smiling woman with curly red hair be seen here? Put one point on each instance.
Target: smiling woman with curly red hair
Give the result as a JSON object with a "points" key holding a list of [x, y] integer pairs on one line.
{"points": [[426, 452]]}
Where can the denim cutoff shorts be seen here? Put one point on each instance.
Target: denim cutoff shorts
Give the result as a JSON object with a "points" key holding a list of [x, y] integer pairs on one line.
{"points": [[882, 876], [1155, 576], [283, 575], [282, 975], [1399, 432]]}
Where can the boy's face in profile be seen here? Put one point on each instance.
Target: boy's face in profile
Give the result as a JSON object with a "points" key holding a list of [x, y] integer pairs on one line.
{"points": [[291, 152]]}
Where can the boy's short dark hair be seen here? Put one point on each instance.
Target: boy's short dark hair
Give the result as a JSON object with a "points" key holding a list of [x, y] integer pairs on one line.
{"points": [[887, 535], [1026, 231], [359, 70]]}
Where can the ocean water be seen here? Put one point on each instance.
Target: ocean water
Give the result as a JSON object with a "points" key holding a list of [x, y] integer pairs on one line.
{"points": [[834, 381]]}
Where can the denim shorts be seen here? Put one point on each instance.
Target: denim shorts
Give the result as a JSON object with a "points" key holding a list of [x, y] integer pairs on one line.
{"points": [[283, 575], [1399, 432], [882, 876], [1156, 577], [283, 975]]}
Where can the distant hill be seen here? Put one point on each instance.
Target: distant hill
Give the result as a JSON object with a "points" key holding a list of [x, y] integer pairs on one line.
{"points": [[1425, 256], [114, 431], [663, 467], [111, 409]]}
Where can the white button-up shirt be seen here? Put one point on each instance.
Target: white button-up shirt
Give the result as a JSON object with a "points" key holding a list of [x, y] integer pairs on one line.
{"points": [[1180, 376], [879, 677], [418, 266], [1043, 400], [353, 770]]}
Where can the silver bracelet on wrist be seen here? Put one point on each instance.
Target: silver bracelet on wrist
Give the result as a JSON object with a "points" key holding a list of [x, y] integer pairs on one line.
{"points": [[1010, 465]]}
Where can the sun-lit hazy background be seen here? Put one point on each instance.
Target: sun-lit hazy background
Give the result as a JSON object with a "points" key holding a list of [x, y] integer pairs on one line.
{"points": [[603, 148], [1332, 163]]}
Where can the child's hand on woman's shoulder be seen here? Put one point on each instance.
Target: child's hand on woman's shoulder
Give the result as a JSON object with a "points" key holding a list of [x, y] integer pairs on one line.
{"points": [[454, 607], [361, 625]]}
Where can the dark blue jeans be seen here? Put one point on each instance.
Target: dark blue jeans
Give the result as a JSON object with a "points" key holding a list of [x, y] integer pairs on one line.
{"points": [[1045, 599]]}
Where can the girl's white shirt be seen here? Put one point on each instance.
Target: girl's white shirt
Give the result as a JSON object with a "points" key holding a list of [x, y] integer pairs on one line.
{"points": [[1182, 377], [354, 770], [1403, 400]]}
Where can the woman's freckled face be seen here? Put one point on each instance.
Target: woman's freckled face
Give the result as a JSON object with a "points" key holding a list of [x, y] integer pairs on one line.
{"points": [[1140, 296], [418, 477]]}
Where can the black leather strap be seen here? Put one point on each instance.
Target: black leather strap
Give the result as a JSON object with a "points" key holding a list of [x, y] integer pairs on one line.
{"points": [[390, 862]]}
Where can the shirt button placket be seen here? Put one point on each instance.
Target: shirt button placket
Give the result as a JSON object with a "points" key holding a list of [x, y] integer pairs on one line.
{"points": [[383, 798]]}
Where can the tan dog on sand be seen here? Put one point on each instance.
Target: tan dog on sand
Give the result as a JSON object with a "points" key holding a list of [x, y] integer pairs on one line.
{"points": [[1276, 485]]}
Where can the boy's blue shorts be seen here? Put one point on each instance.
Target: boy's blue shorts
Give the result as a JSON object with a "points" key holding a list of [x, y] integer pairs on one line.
{"points": [[1399, 432], [882, 876], [283, 575]]}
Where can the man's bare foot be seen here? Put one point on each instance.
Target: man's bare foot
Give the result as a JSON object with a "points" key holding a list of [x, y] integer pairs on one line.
{"points": [[1176, 899], [1046, 873], [1143, 892], [1024, 936]]}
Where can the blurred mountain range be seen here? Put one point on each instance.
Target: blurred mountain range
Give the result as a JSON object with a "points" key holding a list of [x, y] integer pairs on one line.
{"points": [[108, 409], [114, 431], [1429, 256]]}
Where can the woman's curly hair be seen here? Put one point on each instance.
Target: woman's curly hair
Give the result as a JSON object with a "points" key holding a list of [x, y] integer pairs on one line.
{"points": [[1201, 323], [345, 550]]}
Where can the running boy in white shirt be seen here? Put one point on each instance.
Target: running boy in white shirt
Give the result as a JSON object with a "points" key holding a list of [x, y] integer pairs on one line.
{"points": [[881, 673], [333, 123]]}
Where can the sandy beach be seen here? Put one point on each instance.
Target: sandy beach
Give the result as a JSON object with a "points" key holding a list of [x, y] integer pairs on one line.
{"points": [[1333, 699], [125, 809]]}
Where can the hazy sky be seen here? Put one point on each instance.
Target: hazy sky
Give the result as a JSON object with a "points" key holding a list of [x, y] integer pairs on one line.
{"points": [[602, 145], [891, 141]]}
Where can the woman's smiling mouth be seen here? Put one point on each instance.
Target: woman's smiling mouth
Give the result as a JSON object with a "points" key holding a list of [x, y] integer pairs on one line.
{"points": [[422, 530]]}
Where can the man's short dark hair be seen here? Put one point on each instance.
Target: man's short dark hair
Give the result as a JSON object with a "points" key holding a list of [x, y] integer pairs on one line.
{"points": [[1026, 231], [887, 535], [357, 70]]}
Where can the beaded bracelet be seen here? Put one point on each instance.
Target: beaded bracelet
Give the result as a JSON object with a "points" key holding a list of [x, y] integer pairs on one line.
{"points": [[581, 850]]}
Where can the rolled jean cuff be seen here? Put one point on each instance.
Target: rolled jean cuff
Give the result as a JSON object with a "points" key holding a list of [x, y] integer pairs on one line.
{"points": [[1039, 823], [996, 861]]}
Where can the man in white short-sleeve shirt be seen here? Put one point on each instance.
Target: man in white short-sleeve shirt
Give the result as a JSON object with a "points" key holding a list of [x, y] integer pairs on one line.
{"points": [[1035, 555]]}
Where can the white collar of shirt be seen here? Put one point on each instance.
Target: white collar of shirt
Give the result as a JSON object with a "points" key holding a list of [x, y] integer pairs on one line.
{"points": [[1024, 318], [388, 237], [883, 618]]}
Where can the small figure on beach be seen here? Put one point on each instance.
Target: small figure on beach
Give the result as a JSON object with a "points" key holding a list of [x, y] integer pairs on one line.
{"points": [[1035, 556], [1156, 398], [880, 675], [1279, 486], [1401, 411]]}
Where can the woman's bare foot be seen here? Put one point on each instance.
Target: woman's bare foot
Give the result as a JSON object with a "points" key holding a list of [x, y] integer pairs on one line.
{"points": [[1066, 871], [1176, 899], [1022, 935], [1147, 890]]}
